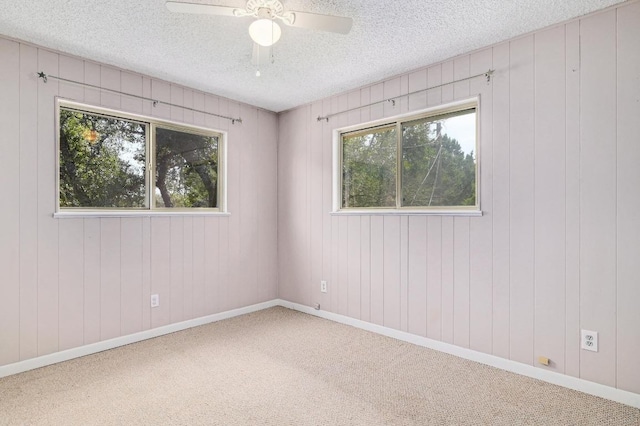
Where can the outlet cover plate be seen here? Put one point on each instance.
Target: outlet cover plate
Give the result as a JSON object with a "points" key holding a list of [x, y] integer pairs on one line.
{"points": [[589, 340], [155, 300], [323, 286]]}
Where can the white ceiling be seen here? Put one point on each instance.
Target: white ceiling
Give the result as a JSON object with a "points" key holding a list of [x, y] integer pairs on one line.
{"points": [[213, 53]]}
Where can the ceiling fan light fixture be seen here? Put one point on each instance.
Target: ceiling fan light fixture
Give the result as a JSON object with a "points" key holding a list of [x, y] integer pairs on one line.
{"points": [[265, 32]]}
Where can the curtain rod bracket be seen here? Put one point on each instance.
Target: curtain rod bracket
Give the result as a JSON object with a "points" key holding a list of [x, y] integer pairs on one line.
{"points": [[488, 74]]}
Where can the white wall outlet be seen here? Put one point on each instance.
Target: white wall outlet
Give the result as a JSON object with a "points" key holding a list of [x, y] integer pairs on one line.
{"points": [[589, 340], [155, 300], [323, 286]]}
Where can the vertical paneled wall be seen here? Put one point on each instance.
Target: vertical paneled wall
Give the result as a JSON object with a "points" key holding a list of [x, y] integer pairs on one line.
{"points": [[556, 248], [71, 282]]}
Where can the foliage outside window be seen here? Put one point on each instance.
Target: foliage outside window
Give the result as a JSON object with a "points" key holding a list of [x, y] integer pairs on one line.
{"points": [[104, 162], [427, 162]]}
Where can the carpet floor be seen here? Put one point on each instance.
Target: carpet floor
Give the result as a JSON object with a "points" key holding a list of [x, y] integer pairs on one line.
{"points": [[282, 367]]}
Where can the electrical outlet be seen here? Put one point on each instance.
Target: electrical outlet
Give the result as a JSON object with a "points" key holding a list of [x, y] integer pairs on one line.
{"points": [[323, 286], [155, 300], [589, 340]]}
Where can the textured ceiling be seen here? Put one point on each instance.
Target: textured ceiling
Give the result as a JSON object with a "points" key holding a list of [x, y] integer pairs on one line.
{"points": [[213, 53]]}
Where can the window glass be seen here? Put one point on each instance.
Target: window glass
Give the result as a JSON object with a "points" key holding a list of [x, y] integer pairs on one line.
{"points": [[102, 161], [186, 169], [438, 164], [427, 161], [110, 160], [369, 162]]}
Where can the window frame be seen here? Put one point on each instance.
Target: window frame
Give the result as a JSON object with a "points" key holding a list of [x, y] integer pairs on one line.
{"points": [[397, 121], [150, 123]]}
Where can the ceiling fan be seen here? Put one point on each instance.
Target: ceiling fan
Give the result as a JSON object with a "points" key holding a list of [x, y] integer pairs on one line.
{"points": [[265, 31]]}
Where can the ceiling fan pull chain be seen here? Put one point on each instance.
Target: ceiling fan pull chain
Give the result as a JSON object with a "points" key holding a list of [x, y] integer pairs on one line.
{"points": [[256, 48], [272, 42]]}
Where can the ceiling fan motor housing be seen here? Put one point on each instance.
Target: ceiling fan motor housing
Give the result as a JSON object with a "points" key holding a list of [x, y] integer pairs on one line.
{"points": [[264, 13], [265, 8]]}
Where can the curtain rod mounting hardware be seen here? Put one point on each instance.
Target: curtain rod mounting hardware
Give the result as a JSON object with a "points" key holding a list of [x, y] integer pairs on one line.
{"points": [[486, 74], [45, 77]]}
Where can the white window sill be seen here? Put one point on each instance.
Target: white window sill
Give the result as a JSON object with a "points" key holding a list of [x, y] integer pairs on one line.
{"points": [[134, 213], [405, 212]]}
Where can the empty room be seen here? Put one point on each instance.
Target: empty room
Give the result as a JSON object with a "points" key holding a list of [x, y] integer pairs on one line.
{"points": [[289, 212]]}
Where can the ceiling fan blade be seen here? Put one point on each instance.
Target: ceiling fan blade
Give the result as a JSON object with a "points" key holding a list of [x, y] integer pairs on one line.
{"points": [[313, 21], [261, 55], [205, 9]]}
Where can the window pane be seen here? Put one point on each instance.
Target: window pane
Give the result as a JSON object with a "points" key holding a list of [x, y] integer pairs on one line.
{"points": [[186, 169], [438, 161], [369, 168], [102, 161]]}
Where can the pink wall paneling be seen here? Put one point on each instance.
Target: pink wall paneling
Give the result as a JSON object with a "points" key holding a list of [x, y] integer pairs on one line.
{"points": [[9, 217], [598, 193], [554, 249], [627, 202], [72, 282], [549, 209]]}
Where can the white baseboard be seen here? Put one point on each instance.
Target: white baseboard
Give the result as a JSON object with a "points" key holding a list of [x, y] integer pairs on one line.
{"points": [[624, 397], [93, 348]]}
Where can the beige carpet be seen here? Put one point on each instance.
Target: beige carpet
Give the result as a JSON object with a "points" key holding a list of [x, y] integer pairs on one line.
{"points": [[281, 367]]}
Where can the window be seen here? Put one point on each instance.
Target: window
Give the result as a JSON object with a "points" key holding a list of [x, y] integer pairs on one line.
{"points": [[115, 161], [422, 162]]}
